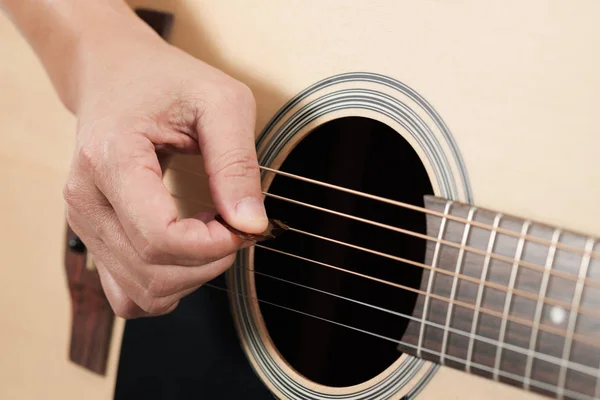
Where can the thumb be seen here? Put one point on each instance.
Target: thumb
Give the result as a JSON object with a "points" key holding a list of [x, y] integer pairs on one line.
{"points": [[226, 139]]}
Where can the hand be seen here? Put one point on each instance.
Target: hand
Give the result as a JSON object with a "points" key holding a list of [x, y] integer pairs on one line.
{"points": [[138, 96]]}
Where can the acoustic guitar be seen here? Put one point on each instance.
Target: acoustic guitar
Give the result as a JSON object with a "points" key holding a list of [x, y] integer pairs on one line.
{"points": [[435, 168]]}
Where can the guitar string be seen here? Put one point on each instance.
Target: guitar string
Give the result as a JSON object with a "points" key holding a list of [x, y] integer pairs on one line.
{"points": [[425, 266], [519, 292], [478, 224], [505, 289], [561, 274], [521, 263], [531, 296], [525, 351], [488, 227], [522, 321], [532, 382]]}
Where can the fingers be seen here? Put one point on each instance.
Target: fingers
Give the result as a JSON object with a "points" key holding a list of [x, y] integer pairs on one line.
{"points": [[121, 304], [166, 286], [134, 287], [131, 179], [226, 139], [148, 258]]}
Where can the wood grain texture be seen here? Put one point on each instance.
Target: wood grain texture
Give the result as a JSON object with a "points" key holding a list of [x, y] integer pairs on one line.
{"points": [[92, 316], [497, 348]]}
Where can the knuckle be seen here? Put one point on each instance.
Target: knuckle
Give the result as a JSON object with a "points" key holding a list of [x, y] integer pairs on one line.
{"points": [[72, 193], [86, 157], [161, 294], [159, 306], [236, 94], [235, 163], [182, 115], [243, 94], [126, 309]]}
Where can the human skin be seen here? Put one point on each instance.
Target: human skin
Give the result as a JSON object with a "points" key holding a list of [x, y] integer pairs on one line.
{"points": [[135, 97]]}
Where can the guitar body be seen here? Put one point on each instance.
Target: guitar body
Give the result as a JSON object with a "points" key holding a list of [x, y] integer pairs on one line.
{"points": [[490, 104]]}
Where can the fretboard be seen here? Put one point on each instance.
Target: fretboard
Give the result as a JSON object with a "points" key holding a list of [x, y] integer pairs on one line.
{"points": [[511, 300]]}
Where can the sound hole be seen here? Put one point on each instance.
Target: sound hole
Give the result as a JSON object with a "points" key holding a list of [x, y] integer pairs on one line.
{"points": [[369, 156]]}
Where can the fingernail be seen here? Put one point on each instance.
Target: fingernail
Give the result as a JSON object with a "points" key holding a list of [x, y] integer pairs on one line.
{"points": [[251, 212]]}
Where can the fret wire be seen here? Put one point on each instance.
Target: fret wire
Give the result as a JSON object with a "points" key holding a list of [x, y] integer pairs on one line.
{"points": [[444, 272], [399, 204], [583, 268], [484, 271], [541, 385], [508, 298], [416, 208], [518, 292], [459, 262], [546, 357], [408, 232], [436, 255], [519, 320], [470, 249], [539, 306]]}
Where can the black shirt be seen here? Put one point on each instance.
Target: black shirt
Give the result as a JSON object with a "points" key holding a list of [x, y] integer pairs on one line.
{"points": [[192, 353]]}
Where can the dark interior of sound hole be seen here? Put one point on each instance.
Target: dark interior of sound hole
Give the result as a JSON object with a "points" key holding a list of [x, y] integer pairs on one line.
{"points": [[365, 155]]}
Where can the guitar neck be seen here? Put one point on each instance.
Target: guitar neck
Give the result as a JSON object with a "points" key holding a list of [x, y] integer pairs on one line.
{"points": [[509, 299]]}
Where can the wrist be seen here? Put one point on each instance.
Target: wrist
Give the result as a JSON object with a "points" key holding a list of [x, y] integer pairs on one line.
{"points": [[103, 45], [69, 36]]}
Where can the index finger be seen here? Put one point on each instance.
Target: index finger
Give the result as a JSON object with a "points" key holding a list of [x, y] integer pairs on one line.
{"points": [[134, 187]]}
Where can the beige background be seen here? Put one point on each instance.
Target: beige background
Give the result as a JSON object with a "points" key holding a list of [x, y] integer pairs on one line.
{"points": [[516, 81], [36, 136]]}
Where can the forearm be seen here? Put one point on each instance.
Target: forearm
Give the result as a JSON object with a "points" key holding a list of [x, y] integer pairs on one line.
{"points": [[64, 32]]}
